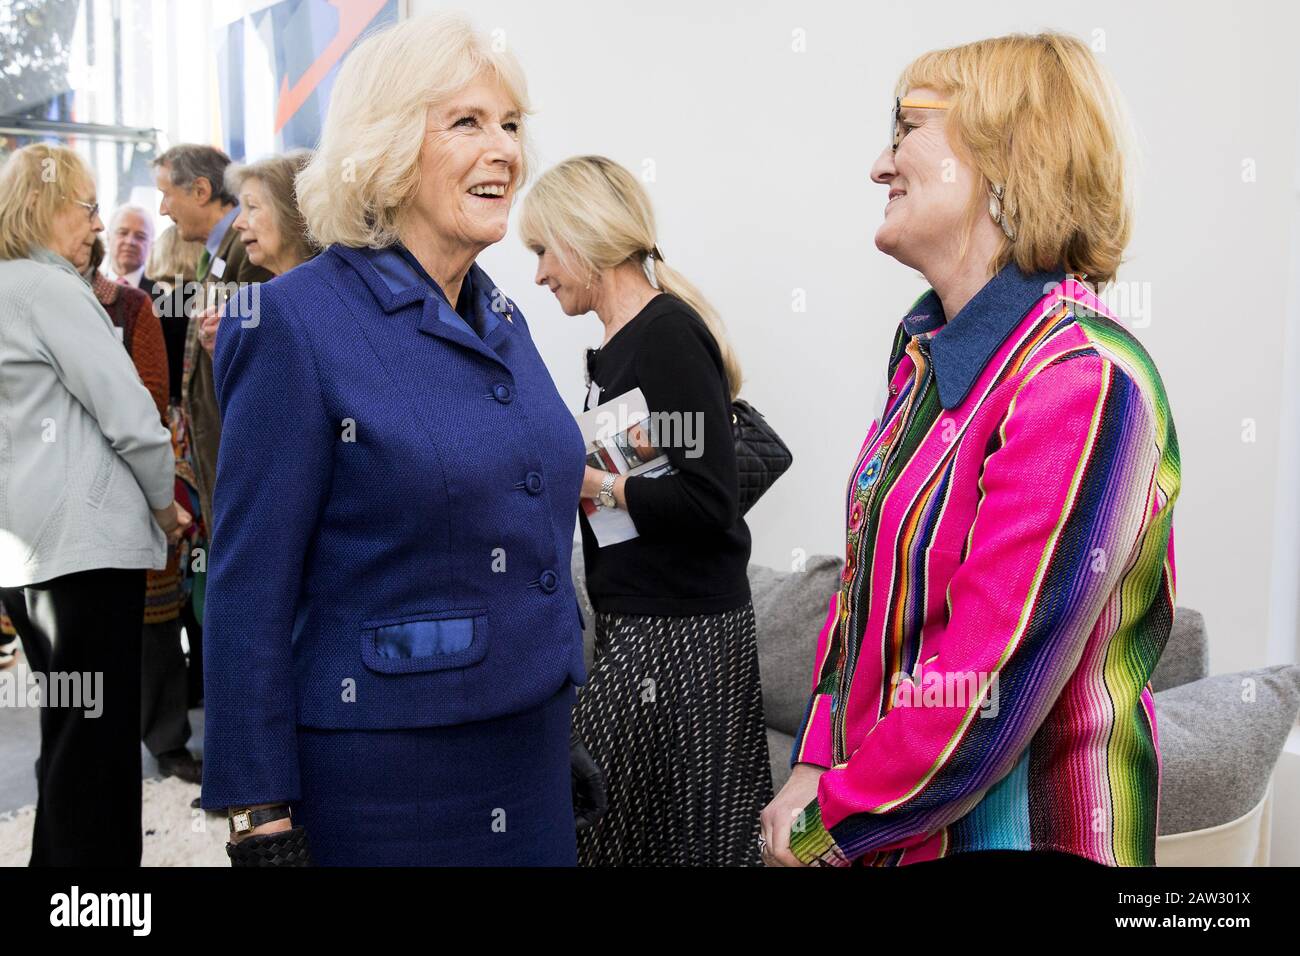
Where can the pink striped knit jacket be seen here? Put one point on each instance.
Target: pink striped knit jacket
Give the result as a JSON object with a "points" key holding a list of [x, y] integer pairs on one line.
{"points": [[981, 681]]}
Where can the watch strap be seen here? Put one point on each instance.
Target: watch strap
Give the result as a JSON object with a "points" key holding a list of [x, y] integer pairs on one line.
{"points": [[244, 820]]}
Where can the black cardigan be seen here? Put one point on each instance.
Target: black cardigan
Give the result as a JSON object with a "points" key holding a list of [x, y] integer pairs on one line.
{"points": [[692, 551]]}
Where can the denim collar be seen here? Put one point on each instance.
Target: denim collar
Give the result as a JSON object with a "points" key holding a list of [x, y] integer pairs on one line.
{"points": [[961, 348]]}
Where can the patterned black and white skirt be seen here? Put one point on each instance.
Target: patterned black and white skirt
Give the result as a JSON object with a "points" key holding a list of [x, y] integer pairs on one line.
{"points": [[673, 713]]}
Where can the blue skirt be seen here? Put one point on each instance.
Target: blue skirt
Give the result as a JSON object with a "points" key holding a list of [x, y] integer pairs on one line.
{"points": [[492, 793]]}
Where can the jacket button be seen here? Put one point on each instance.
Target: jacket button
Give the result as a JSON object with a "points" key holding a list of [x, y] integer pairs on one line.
{"points": [[549, 581], [503, 394], [534, 483]]}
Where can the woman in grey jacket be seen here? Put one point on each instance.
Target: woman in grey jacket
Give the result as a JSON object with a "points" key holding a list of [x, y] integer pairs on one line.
{"points": [[84, 460]]}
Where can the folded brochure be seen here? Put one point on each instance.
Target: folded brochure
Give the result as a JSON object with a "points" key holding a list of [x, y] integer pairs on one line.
{"points": [[617, 435]]}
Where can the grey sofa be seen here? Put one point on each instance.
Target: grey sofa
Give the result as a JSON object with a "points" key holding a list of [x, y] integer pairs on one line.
{"points": [[1220, 737]]}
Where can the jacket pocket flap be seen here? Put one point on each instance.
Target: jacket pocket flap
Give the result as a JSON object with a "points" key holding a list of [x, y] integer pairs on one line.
{"points": [[429, 642]]}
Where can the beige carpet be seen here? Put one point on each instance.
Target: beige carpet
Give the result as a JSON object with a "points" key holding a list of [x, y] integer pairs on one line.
{"points": [[174, 835]]}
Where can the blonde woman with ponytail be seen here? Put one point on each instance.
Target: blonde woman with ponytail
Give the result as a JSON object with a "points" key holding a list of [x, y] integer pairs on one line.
{"points": [[688, 776]]}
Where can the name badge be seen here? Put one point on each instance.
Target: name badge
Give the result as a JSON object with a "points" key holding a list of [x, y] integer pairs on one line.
{"points": [[218, 268], [593, 396]]}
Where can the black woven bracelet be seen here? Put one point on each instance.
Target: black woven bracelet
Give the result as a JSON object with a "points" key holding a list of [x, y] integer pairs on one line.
{"points": [[287, 848]]}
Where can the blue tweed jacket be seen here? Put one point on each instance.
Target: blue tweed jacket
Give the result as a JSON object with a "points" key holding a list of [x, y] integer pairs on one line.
{"points": [[393, 517]]}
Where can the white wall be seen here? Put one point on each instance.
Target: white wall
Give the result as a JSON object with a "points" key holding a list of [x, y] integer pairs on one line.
{"points": [[1284, 635], [761, 158]]}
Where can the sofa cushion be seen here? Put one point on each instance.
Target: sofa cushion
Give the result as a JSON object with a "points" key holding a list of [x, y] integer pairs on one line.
{"points": [[790, 607], [1241, 842], [1187, 654], [779, 746], [1220, 738], [579, 571]]}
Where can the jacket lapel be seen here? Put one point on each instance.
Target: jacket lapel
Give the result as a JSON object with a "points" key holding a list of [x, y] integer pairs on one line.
{"points": [[395, 286], [221, 261], [441, 321], [497, 310]]}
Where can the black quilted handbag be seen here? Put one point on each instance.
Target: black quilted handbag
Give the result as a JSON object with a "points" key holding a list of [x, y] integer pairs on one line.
{"points": [[761, 456]]}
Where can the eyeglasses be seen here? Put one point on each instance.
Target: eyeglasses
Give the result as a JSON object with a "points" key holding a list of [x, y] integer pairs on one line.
{"points": [[896, 133], [92, 208]]}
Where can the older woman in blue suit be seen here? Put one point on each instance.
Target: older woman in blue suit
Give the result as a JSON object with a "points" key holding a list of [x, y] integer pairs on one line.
{"points": [[392, 634]]}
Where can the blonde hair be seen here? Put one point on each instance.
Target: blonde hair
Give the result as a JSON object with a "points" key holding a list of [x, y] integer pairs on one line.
{"points": [[1038, 115], [172, 256], [367, 165], [36, 182], [277, 174], [594, 214]]}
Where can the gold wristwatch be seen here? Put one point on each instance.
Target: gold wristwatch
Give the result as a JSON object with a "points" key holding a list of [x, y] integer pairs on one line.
{"points": [[245, 819]]}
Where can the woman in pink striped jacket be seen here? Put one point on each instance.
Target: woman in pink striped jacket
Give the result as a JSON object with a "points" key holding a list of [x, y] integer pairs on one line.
{"points": [[981, 681]]}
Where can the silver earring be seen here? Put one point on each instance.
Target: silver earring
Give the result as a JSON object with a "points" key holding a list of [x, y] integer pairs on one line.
{"points": [[997, 213]]}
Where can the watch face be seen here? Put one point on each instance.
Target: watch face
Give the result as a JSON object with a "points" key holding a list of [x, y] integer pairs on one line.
{"points": [[242, 821]]}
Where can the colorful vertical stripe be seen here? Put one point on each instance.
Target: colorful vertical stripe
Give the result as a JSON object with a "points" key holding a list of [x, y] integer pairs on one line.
{"points": [[982, 678]]}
